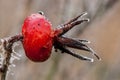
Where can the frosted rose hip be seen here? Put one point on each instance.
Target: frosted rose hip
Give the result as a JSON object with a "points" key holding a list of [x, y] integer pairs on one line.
{"points": [[37, 40]]}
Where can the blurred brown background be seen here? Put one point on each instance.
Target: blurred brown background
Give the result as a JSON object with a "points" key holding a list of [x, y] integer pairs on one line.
{"points": [[103, 31]]}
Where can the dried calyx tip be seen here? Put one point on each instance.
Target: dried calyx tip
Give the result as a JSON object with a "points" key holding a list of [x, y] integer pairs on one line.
{"points": [[83, 14], [92, 60], [85, 41], [88, 42], [40, 12], [89, 59], [95, 54], [99, 59], [86, 19]]}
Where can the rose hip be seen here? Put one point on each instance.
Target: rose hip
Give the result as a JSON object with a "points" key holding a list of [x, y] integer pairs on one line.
{"points": [[39, 38]]}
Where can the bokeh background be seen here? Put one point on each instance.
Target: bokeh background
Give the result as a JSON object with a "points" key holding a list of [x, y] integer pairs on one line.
{"points": [[103, 31]]}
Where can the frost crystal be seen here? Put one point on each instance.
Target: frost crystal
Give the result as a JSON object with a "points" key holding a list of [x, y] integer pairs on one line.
{"points": [[14, 56]]}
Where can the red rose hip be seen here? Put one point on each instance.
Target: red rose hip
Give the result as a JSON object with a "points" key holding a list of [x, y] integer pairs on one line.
{"points": [[37, 40]]}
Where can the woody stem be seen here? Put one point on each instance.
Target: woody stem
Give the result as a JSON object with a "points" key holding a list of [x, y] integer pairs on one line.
{"points": [[7, 44]]}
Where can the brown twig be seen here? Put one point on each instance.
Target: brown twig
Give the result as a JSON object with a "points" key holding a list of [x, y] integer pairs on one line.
{"points": [[7, 44]]}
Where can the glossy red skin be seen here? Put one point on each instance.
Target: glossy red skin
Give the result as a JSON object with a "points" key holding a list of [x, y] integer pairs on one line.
{"points": [[37, 39]]}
